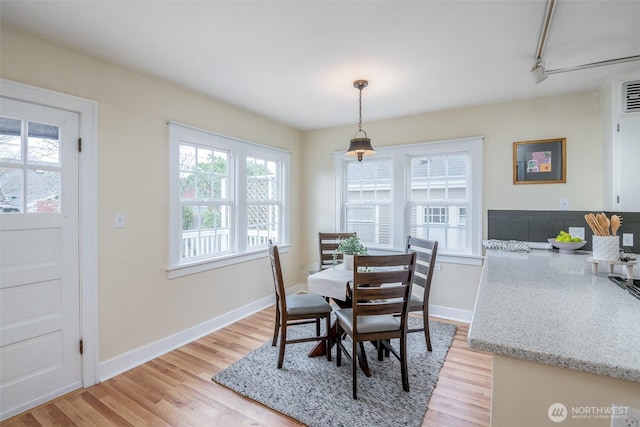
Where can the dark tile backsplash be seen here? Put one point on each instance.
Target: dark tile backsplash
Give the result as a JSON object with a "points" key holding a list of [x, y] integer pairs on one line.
{"points": [[538, 226]]}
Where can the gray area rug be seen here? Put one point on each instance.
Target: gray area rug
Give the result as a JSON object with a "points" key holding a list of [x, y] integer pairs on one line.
{"points": [[316, 392]]}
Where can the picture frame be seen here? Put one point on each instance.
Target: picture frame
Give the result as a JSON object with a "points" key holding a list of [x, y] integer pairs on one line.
{"points": [[542, 161]]}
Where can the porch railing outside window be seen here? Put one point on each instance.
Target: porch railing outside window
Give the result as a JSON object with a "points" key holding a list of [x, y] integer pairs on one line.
{"points": [[228, 198]]}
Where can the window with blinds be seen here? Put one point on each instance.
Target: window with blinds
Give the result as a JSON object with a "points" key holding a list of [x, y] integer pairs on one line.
{"points": [[427, 190], [368, 188], [439, 198]]}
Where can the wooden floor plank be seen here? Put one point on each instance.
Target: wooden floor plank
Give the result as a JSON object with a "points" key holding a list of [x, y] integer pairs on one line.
{"points": [[176, 389]]}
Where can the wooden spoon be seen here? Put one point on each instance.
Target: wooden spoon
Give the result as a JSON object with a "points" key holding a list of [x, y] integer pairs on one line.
{"points": [[603, 222], [593, 223], [615, 224]]}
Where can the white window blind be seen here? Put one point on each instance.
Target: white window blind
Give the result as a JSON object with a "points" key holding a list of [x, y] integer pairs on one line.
{"points": [[439, 197], [428, 190], [368, 200]]}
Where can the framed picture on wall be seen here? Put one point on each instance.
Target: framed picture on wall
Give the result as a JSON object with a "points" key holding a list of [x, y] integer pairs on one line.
{"points": [[540, 162]]}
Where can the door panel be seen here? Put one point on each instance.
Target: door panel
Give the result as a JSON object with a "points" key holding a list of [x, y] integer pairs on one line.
{"points": [[39, 273], [629, 155]]}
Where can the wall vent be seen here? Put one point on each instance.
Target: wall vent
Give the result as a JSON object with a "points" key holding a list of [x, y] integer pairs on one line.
{"points": [[631, 96]]}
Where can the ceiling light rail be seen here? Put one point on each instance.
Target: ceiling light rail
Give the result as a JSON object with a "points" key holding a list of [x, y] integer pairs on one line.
{"points": [[538, 72], [595, 64]]}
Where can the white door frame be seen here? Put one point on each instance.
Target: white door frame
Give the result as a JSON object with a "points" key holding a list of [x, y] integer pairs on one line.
{"points": [[87, 213]]}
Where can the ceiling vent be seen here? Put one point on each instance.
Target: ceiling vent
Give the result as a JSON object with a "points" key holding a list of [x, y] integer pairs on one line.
{"points": [[631, 96]]}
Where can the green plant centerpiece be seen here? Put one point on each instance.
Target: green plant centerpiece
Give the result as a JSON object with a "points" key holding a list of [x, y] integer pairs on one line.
{"points": [[352, 246], [348, 248]]}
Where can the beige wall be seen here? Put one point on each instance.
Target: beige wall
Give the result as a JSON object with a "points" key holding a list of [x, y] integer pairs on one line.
{"points": [[575, 117], [138, 305], [523, 391]]}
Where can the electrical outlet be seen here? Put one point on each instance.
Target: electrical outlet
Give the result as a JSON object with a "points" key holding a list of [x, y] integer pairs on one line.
{"points": [[624, 416], [438, 266], [577, 232], [627, 239]]}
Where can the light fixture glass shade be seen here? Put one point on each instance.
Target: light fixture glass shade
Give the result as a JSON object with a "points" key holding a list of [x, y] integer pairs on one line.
{"points": [[360, 147]]}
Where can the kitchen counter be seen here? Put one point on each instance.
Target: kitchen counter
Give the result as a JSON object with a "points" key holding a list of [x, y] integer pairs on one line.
{"points": [[549, 308]]}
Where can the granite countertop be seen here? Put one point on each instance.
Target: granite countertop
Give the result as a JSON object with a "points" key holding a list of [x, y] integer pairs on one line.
{"points": [[549, 308]]}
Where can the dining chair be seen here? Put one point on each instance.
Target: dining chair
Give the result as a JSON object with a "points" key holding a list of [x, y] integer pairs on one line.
{"points": [[426, 251], [329, 247], [379, 309], [294, 310]]}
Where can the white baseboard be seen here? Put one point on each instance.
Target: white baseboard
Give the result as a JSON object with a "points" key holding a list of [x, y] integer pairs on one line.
{"points": [[119, 364], [450, 313], [130, 360], [40, 400]]}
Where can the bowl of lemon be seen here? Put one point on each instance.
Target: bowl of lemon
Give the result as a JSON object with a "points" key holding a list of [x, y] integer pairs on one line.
{"points": [[566, 243]]}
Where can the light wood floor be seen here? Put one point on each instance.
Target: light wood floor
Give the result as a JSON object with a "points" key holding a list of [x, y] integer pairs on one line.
{"points": [[176, 389]]}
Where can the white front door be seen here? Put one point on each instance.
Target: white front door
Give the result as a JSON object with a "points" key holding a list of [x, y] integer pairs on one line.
{"points": [[39, 273]]}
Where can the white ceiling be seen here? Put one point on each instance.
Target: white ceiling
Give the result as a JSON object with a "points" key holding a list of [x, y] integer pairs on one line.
{"points": [[295, 61]]}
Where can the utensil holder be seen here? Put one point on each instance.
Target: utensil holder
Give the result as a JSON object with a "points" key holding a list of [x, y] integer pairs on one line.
{"points": [[606, 248]]}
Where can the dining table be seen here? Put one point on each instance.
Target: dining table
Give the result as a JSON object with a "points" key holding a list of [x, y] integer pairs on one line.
{"points": [[333, 283]]}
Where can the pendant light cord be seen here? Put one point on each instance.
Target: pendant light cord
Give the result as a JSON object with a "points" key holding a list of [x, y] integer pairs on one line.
{"points": [[360, 109]]}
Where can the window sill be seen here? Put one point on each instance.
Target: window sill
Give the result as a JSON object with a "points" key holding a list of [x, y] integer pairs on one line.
{"points": [[173, 272], [441, 257]]}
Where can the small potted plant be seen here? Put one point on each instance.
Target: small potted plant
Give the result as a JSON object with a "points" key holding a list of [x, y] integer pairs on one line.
{"points": [[350, 247]]}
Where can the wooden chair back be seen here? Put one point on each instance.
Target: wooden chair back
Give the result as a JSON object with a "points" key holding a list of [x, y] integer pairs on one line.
{"points": [[426, 251], [278, 282], [329, 246], [305, 308], [382, 286]]}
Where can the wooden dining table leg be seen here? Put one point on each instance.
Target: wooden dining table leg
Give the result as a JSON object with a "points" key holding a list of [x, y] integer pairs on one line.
{"points": [[320, 349]]}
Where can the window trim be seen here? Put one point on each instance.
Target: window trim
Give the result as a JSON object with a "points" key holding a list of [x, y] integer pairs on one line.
{"points": [[401, 157], [239, 149]]}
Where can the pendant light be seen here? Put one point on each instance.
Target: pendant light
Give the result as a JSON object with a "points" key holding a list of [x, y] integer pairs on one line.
{"points": [[360, 145]]}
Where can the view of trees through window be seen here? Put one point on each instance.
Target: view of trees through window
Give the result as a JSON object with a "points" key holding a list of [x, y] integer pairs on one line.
{"points": [[204, 195], [227, 199], [206, 199], [30, 173]]}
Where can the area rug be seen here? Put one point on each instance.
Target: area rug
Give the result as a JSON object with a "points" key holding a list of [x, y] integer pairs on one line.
{"points": [[316, 392]]}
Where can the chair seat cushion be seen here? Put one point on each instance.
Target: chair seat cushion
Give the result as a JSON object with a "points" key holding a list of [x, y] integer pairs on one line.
{"points": [[307, 304], [367, 324]]}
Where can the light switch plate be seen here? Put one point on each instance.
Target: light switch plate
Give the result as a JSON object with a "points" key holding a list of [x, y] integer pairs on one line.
{"points": [[119, 222], [564, 203], [627, 239]]}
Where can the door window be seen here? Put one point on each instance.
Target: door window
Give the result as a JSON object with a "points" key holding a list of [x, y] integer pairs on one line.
{"points": [[30, 169]]}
